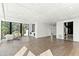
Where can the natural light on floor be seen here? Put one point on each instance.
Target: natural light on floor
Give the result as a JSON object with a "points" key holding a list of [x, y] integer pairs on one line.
{"points": [[22, 51]]}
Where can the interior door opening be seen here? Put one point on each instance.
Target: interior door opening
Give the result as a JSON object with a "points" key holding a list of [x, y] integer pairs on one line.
{"points": [[68, 31]]}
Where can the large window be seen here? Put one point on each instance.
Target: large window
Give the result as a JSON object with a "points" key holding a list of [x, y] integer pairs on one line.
{"points": [[9, 28], [5, 28], [15, 27]]}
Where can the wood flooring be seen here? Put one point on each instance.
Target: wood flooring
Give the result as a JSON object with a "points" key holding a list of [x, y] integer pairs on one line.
{"points": [[36, 47]]}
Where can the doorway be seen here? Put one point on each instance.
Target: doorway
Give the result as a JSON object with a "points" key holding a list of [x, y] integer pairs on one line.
{"points": [[68, 31]]}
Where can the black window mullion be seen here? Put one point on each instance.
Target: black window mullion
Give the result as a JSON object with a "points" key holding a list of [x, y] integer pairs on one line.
{"points": [[10, 27], [21, 28]]}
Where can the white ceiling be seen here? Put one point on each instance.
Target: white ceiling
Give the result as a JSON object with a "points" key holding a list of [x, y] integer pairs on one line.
{"points": [[41, 12]]}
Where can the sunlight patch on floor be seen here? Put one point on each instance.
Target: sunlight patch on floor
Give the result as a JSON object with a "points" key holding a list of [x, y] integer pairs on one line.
{"points": [[46, 53], [30, 54], [21, 51]]}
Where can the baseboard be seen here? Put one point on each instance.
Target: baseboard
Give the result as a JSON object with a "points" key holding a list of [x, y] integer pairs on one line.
{"points": [[46, 36], [42, 37]]}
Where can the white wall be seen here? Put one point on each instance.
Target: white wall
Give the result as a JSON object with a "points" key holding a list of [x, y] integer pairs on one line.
{"points": [[0, 30], [76, 30], [42, 30], [60, 30]]}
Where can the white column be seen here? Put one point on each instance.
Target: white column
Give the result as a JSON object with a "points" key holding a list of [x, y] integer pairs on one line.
{"points": [[60, 30], [51, 31], [76, 30]]}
